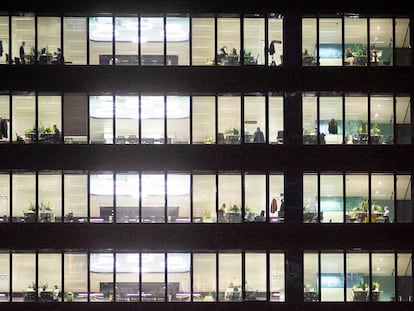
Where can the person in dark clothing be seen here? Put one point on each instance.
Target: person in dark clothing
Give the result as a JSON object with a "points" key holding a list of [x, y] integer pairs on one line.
{"points": [[22, 53], [258, 136]]}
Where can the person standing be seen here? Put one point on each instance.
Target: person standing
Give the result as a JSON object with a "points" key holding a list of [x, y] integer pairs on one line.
{"points": [[22, 53], [258, 136]]}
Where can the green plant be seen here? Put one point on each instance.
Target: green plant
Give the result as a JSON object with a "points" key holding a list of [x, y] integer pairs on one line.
{"points": [[375, 285], [207, 214], [362, 285], [376, 129], [208, 139], [364, 205], [234, 208], [45, 207]]}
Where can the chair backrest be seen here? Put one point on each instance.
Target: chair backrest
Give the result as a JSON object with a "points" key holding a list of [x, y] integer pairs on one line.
{"points": [[17, 61]]}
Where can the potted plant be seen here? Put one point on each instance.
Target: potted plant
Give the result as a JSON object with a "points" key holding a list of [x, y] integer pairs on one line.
{"points": [[375, 286], [208, 139], [207, 216]]}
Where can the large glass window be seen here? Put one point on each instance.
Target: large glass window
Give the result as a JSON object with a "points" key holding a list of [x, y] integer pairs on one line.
{"points": [[255, 197], [382, 198], [230, 277], [403, 202], [101, 117], [382, 120], [153, 287], [204, 277], [178, 119], [5, 118], [4, 197], [100, 40], [75, 277], [383, 277], [277, 277], [178, 197], [127, 277], [75, 117], [357, 277], [24, 118], [5, 40], [101, 197], [204, 119], [332, 277], [356, 198], [49, 277], [75, 197], [49, 118], [153, 198], [356, 40], [330, 120], [23, 39], [48, 40], [402, 120], [204, 198], [356, 120], [152, 41], [309, 50], [381, 41], [310, 198], [331, 198], [5, 277], [309, 120], [24, 287], [275, 122], [126, 40], [275, 41], [255, 285], [50, 197], [127, 197], [152, 119], [74, 40], [330, 42], [179, 277], [402, 42], [229, 196], [311, 277], [178, 40], [254, 40], [229, 119], [404, 277], [101, 277], [126, 119], [24, 197], [276, 204], [202, 31], [254, 119], [228, 41]]}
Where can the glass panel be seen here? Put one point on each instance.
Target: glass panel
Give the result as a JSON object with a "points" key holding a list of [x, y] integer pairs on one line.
{"points": [[50, 277], [5, 40], [178, 41], [153, 277], [310, 198], [402, 42], [254, 119], [49, 113], [204, 277], [178, 119], [310, 277], [229, 119], [255, 286], [404, 277], [276, 119], [153, 198], [255, 197], [75, 197], [75, 116], [330, 120], [49, 41], [202, 31], [275, 34], [24, 197], [357, 277], [277, 277], [356, 41], [126, 119], [309, 56], [356, 120], [24, 286], [332, 277], [127, 198], [229, 197], [127, 277], [50, 197], [204, 120], [101, 197], [4, 198], [382, 120], [380, 40], [152, 119], [152, 41], [126, 40], [5, 118], [228, 41], [254, 38], [356, 192], [24, 119], [204, 198], [276, 203], [100, 40], [330, 42], [402, 120], [101, 117], [75, 277], [74, 40], [178, 197], [5, 277], [101, 277], [309, 118], [179, 279], [230, 274], [382, 198], [23, 38], [403, 199], [331, 198], [383, 277]]}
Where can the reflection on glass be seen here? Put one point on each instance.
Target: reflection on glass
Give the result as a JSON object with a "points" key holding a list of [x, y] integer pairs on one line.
{"points": [[229, 119], [332, 277], [255, 287], [404, 277], [330, 120], [24, 287], [204, 277], [356, 192], [178, 119], [24, 197], [332, 198], [382, 120], [50, 197], [178, 198], [311, 277], [309, 51], [356, 41], [402, 42], [230, 277], [309, 119], [204, 198], [101, 114], [402, 120], [254, 119], [126, 120], [74, 40], [152, 119], [310, 198]]}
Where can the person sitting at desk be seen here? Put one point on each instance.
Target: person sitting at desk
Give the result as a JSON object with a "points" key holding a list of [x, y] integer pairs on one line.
{"points": [[56, 293], [349, 56], [221, 56], [386, 214]]}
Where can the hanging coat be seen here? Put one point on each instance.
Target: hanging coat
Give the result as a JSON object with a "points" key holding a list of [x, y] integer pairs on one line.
{"points": [[273, 206]]}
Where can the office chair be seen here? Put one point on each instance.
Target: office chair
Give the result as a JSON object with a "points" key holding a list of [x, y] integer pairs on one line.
{"points": [[279, 138]]}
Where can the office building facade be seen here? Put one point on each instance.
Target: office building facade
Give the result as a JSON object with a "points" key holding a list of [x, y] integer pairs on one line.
{"points": [[222, 155]]}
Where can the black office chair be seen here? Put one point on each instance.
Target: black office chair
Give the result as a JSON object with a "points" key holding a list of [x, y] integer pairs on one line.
{"points": [[17, 61], [279, 138]]}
